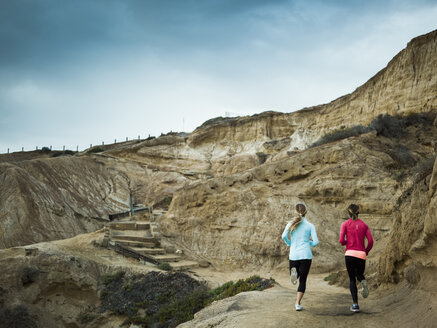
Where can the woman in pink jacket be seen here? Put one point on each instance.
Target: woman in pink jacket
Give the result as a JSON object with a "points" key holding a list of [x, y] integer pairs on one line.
{"points": [[352, 234]]}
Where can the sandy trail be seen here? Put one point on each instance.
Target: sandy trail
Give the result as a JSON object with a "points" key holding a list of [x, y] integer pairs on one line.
{"points": [[324, 306]]}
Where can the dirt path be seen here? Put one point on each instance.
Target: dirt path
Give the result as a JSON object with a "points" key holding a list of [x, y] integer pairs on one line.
{"points": [[324, 306]]}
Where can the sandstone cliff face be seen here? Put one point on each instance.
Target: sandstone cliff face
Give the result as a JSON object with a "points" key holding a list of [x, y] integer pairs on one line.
{"points": [[411, 249], [56, 198]]}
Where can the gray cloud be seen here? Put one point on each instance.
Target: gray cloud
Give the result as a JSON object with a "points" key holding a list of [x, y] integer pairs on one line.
{"points": [[81, 72]]}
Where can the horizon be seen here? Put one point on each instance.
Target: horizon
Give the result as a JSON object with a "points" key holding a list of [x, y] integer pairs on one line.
{"points": [[75, 74]]}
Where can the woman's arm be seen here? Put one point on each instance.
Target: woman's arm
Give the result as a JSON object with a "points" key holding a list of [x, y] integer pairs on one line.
{"points": [[369, 240], [315, 240], [285, 234], [342, 239]]}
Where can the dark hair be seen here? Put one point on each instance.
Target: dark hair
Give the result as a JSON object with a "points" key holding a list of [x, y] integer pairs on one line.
{"points": [[353, 211]]}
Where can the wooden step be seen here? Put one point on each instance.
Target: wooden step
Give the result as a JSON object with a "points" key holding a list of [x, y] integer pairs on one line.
{"points": [[129, 225], [143, 238], [184, 265], [148, 251], [167, 257], [131, 243]]}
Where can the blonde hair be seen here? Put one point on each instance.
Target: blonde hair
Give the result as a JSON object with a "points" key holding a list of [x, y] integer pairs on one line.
{"points": [[301, 211]]}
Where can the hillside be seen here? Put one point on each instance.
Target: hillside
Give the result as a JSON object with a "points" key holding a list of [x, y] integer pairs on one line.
{"points": [[228, 188]]}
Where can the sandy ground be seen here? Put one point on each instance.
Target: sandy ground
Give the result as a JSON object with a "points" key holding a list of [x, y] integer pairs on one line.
{"points": [[324, 305]]}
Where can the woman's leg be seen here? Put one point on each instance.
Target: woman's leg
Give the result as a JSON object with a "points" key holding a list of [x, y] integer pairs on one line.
{"points": [[303, 270], [352, 272], [361, 266]]}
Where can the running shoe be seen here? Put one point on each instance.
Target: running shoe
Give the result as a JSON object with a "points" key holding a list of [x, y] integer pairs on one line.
{"points": [[355, 308], [293, 275], [299, 307], [364, 288]]}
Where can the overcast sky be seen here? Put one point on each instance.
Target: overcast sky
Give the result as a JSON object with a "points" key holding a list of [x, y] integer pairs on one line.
{"points": [[80, 72]]}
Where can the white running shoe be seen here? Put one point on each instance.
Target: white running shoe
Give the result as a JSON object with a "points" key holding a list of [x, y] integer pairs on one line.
{"points": [[355, 308], [299, 307], [364, 289], [293, 276]]}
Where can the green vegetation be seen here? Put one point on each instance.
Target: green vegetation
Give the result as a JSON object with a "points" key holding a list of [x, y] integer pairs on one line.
{"points": [[95, 150], [332, 278], [384, 124], [230, 288], [341, 134], [165, 266], [86, 317], [109, 278], [164, 299]]}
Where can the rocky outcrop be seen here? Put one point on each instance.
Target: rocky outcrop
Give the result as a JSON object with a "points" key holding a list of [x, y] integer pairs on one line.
{"points": [[411, 248], [237, 220], [56, 198]]}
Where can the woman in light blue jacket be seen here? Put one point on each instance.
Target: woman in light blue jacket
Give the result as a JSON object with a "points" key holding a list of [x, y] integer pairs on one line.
{"points": [[303, 237]]}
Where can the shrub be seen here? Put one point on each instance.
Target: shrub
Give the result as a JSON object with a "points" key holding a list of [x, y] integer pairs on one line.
{"points": [[332, 278], [402, 156], [384, 125], [165, 266], [230, 288], [29, 275], [18, 316], [62, 153], [388, 126], [111, 277], [341, 134], [217, 120], [86, 317], [95, 150], [165, 299], [418, 119]]}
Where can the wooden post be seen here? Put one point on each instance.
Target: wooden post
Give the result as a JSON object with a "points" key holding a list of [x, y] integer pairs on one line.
{"points": [[131, 204]]}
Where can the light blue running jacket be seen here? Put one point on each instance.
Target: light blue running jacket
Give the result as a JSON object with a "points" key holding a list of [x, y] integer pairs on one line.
{"points": [[300, 243]]}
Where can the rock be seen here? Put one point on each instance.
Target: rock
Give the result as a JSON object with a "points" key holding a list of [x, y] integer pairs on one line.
{"points": [[203, 263], [412, 274]]}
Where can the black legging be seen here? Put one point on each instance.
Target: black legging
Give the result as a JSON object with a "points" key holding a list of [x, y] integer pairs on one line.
{"points": [[355, 269], [302, 268]]}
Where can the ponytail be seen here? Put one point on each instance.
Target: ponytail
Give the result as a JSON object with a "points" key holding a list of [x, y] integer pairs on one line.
{"points": [[353, 211], [301, 211]]}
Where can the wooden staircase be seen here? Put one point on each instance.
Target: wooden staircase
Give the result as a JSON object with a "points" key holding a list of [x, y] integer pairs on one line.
{"points": [[140, 240]]}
